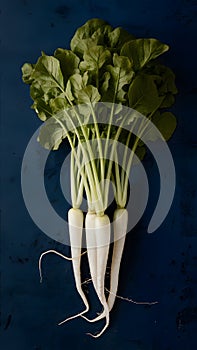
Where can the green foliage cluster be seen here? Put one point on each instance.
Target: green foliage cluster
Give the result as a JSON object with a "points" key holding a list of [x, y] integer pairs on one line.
{"points": [[103, 65]]}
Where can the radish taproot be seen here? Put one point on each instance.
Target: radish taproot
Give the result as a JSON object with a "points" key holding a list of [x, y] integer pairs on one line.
{"points": [[104, 65], [98, 261], [75, 219], [120, 230]]}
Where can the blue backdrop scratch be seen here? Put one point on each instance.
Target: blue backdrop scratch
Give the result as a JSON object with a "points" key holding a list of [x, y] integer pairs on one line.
{"points": [[157, 267]]}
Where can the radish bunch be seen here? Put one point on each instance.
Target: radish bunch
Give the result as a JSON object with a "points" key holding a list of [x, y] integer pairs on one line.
{"points": [[93, 96]]}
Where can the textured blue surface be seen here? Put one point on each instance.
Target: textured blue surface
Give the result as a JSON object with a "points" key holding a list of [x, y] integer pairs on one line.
{"points": [[162, 266]]}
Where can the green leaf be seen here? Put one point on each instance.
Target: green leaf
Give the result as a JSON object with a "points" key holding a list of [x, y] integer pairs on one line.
{"points": [[52, 133], [39, 89], [91, 26], [167, 84], [143, 94], [76, 83], [94, 58], [41, 99], [164, 79], [101, 35], [114, 37], [43, 94], [141, 51], [64, 121], [42, 109], [118, 37], [27, 70], [59, 104], [168, 101], [165, 123], [69, 94], [47, 70], [69, 62], [140, 153], [125, 69], [89, 94], [105, 83], [36, 90], [82, 37], [84, 45], [121, 74]]}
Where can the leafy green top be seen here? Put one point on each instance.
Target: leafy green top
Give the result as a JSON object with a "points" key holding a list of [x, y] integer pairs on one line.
{"points": [[103, 64]]}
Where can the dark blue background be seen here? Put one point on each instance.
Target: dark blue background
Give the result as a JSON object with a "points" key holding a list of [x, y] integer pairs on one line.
{"points": [[162, 266]]}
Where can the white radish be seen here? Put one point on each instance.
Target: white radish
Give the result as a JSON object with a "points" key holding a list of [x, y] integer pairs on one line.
{"points": [[91, 244], [120, 229], [91, 241], [75, 220], [91, 249], [102, 234]]}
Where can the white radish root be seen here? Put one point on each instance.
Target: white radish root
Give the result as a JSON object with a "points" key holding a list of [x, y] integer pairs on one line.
{"points": [[120, 230], [91, 244], [75, 220], [102, 234], [134, 301], [98, 242], [53, 252], [92, 249]]}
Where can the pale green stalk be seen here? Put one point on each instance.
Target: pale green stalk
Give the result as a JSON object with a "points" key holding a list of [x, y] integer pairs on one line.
{"points": [[77, 160], [73, 182], [109, 172], [123, 173], [80, 193], [96, 188], [111, 118], [118, 182], [129, 164], [99, 148]]}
